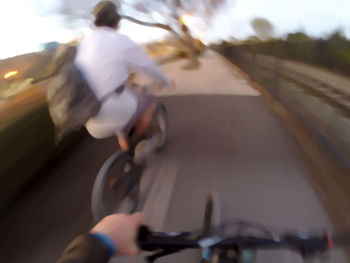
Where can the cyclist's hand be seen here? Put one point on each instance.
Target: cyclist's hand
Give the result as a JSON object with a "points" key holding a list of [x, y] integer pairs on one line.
{"points": [[123, 230], [172, 85], [159, 86], [165, 86]]}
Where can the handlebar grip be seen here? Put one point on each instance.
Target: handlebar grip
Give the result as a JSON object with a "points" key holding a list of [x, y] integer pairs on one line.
{"points": [[143, 236]]}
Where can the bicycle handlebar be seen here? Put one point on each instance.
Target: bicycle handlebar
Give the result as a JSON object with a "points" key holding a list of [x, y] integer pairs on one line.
{"points": [[306, 246], [342, 239]]}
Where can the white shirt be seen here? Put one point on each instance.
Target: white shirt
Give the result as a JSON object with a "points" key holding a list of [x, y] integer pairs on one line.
{"points": [[107, 58]]}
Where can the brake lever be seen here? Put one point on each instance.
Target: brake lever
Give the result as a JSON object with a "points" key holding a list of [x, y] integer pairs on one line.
{"points": [[163, 253], [177, 234], [145, 235], [308, 247]]}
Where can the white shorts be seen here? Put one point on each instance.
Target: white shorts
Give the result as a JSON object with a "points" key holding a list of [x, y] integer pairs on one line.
{"points": [[114, 114]]}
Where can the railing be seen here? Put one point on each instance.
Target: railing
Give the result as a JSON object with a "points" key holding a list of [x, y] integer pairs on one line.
{"points": [[323, 107]]}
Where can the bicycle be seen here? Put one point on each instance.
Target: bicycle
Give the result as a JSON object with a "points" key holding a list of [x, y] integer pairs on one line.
{"points": [[238, 248], [117, 185]]}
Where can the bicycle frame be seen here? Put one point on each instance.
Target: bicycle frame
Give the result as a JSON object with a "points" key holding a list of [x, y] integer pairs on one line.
{"points": [[129, 182]]}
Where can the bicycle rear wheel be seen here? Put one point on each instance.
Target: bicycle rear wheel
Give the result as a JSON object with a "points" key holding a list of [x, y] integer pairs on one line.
{"points": [[116, 188]]}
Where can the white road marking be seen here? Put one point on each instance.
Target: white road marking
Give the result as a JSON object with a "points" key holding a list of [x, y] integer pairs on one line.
{"points": [[157, 202]]}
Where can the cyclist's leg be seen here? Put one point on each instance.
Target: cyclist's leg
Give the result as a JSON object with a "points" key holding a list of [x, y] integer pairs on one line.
{"points": [[143, 123], [141, 120], [123, 142], [145, 108]]}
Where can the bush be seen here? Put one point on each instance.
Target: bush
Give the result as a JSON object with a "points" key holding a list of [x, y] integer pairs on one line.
{"points": [[332, 54]]}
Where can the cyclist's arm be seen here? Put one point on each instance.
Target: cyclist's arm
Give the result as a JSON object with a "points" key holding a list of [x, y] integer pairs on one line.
{"points": [[138, 61], [85, 249], [113, 235]]}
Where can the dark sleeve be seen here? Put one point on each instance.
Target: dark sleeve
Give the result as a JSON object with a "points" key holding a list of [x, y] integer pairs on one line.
{"points": [[85, 249]]}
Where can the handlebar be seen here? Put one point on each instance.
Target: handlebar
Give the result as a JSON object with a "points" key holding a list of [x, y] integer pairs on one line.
{"points": [[306, 246]]}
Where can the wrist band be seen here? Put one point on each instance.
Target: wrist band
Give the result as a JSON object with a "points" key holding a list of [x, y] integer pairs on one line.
{"points": [[106, 241]]}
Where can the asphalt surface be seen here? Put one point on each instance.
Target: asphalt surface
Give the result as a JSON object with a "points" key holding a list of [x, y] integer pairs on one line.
{"points": [[222, 136]]}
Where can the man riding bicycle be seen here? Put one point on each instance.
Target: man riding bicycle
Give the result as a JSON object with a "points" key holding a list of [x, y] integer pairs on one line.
{"points": [[107, 59]]}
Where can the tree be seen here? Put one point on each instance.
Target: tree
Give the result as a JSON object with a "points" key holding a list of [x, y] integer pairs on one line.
{"points": [[252, 40], [263, 28], [169, 15], [337, 36], [298, 37]]}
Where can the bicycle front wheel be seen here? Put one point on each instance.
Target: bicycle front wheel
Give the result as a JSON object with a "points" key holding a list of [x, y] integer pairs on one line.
{"points": [[212, 225], [116, 188], [212, 215]]}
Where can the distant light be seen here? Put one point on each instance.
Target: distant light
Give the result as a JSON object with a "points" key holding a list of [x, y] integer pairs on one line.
{"points": [[10, 74], [189, 21], [186, 19]]}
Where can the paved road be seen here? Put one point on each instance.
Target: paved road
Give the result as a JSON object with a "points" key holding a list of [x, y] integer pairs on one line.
{"points": [[222, 136]]}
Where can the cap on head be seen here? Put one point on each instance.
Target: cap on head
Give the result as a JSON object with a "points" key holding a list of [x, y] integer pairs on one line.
{"points": [[106, 14]]}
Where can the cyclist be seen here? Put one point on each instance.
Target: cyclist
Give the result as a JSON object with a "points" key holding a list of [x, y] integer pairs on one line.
{"points": [[107, 59], [113, 235]]}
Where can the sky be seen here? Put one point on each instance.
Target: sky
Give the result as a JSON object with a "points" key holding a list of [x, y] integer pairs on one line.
{"points": [[25, 24], [315, 17]]}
